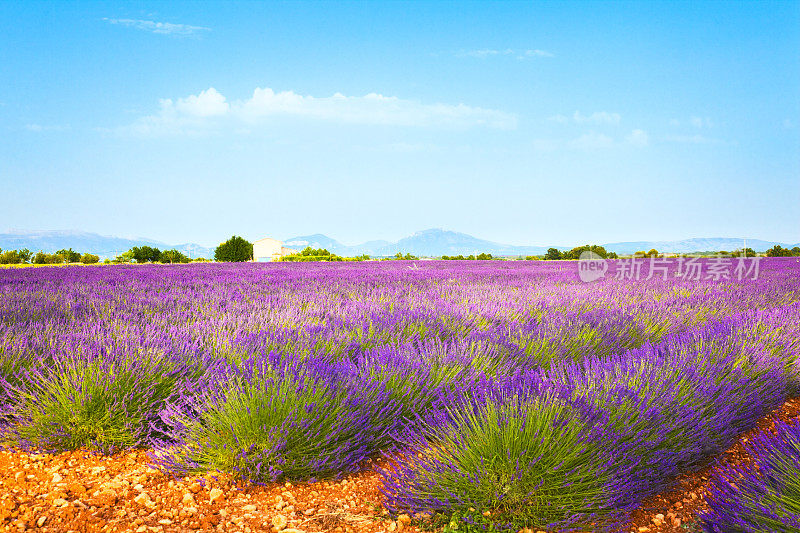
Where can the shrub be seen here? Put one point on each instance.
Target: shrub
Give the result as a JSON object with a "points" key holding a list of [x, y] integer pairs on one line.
{"points": [[41, 258], [10, 257], [624, 426], [235, 249], [103, 403], [552, 254], [173, 256], [68, 256], [124, 257], [526, 460], [145, 254], [779, 251], [576, 252], [272, 418]]}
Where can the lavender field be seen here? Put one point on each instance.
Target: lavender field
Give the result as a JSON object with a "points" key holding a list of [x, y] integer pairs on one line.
{"points": [[502, 394]]}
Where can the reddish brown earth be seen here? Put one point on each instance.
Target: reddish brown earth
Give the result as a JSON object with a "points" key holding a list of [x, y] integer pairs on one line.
{"points": [[79, 492], [83, 492]]}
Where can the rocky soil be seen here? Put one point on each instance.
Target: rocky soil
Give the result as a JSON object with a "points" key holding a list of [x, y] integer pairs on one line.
{"points": [[80, 492]]}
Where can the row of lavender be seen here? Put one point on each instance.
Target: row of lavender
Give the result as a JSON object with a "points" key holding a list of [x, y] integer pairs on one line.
{"points": [[507, 388], [761, 495]]}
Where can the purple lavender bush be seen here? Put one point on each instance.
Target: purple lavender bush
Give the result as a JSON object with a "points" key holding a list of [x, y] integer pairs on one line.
{"points": [[104, 403], [302, 371], [273, 418], [763, 495], [640, 419], [523, 459]]}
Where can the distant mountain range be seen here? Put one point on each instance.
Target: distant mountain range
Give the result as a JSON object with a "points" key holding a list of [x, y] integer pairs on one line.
{"points": [[429, 243], [81, 241], [714, 244], [437, 242]]}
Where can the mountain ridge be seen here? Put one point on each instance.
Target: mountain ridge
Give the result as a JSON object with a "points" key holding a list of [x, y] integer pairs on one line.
{"points": [[437, 242], [431, 242], [106, 246]]}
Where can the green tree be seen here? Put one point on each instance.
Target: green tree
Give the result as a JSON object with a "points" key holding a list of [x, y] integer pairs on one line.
{"points": [[576, 252], [309, 251], [124, 257], [484, 257], [173, 256], [10, 257], [89, 259], [236, 250], [747, 252], [795, 251], [146, 254], [25, 255], [41, 258], [552, 254], [69, 256], [778, 251]]}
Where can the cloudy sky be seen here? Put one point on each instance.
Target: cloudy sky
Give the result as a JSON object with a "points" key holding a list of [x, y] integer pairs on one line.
{"points": [[525, 123]]}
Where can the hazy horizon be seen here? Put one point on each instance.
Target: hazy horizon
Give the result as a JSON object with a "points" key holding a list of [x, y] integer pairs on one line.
{"points": [[286, 238]]}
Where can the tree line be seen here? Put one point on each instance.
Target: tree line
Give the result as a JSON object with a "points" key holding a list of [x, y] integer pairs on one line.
{"points": [[479, 257], [780, 251], [25, 256], [138, 254], [148, 254], [554, 254]]}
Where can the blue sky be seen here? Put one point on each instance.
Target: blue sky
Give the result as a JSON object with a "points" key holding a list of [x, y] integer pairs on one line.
{"points": [[524, 123]]}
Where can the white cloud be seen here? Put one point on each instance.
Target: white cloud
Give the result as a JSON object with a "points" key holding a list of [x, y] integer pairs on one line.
{"points": [[700, 122], [695, 139], [206, 104], [598, 117], [40, 128], [537, 53], [483, 53], [201, 113], [591, 141], [695, 122], [638, 138], [163, 28]]}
